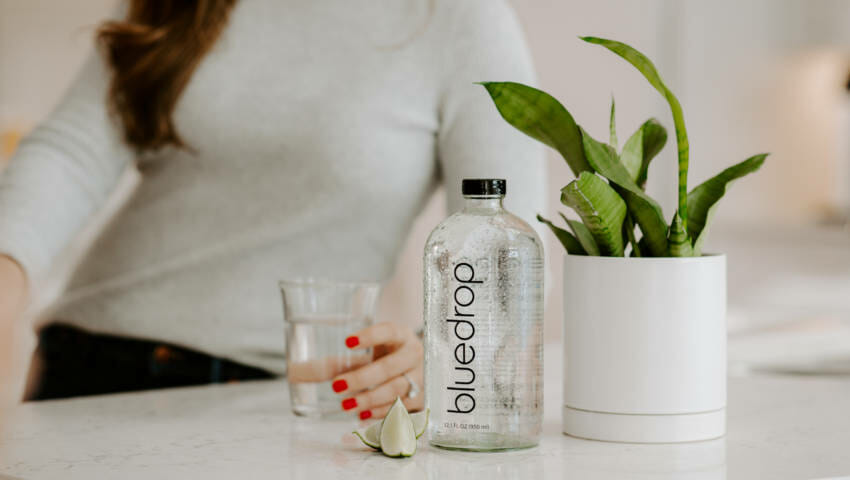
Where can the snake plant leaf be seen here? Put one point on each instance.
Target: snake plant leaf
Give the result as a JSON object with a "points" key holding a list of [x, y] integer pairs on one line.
{"points": [[641, 148], [542, 117], [645, 66], [570, 243], [654, 139], [642, 247], [679, 244], [629, 232], [646, 211], [612, 128], [702, 201], [649, 218], [632, 155], [601, 209], [582, 233]]}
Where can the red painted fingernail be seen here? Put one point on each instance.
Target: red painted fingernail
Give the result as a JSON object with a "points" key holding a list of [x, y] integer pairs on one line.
{"points": [[365, 414], [349, 403], [339, 386], [352, 341]]}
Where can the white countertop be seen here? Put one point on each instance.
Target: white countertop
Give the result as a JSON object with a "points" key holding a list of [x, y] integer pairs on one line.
{"points": [[779, 427]]}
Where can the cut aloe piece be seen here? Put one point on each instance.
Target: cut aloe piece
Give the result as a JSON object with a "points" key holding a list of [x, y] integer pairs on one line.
{"points": [[371, 436], [420, 421], [398, 437]]}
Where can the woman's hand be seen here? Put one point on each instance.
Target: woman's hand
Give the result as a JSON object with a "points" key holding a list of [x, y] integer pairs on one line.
{"points": [[371, 389], [13, 288], [13, 299]]}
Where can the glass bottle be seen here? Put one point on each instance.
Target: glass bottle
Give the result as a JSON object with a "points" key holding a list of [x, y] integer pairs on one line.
{"points": [[484, 326]]}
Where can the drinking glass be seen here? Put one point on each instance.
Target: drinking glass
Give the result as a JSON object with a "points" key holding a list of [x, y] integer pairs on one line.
{"points": [[319, 315]]}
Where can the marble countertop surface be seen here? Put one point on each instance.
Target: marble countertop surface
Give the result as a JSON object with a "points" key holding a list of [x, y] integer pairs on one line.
{"points": [[778, 427]]}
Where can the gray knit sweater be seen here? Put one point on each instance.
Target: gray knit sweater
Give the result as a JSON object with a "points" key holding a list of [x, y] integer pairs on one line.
{"points": [[320, 127]]}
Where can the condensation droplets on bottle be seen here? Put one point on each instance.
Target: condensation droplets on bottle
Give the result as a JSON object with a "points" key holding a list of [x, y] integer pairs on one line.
{"points": [[484, 326]]}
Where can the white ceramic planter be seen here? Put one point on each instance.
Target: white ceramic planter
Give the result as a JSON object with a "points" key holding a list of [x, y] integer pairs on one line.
{"points": [[645, 348]]}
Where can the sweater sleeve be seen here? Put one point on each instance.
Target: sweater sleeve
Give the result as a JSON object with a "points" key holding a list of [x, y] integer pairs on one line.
{"points": [[61, 173], [473, 140]]}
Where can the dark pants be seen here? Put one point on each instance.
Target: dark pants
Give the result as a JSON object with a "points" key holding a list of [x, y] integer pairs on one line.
{"points": [[70, 362]]}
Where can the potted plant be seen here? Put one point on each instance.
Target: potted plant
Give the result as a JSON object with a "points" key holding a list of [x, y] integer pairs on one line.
{"points": [[644, 307]]}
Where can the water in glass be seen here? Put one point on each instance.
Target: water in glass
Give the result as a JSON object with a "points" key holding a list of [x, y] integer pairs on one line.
{"points": [[319, 316]]}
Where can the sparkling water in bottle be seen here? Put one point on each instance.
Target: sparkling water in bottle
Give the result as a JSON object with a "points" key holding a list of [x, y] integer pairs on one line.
{"points": [[484, 326]]}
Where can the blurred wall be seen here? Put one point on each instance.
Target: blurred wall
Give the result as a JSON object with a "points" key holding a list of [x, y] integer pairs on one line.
{"points": [[755, 75], [768, 75], [42, 43]]}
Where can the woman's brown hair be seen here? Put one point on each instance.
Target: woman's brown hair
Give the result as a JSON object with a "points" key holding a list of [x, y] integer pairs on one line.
{"points": [[153, 54]]}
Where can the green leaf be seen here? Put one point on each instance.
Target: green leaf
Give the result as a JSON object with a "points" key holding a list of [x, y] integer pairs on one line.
{"points": [[645, 66], [641, 148], [542, 117], [702, 201], [612, 128], [649, 218], [642, 247], [646, 211], [601, 209], [654, 138], [583, 235], [632, 155], [629, 228], [570, 243], [679, 245]]}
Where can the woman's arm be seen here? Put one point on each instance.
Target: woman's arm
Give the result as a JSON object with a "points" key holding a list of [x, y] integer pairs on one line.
{"points": [[61, 174], [13, 299], [13, 291]]}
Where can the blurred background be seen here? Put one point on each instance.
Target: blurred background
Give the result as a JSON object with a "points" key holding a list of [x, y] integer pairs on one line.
{"points": [[757, 75]]}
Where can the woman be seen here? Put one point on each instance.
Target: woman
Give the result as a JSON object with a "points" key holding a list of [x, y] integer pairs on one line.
{"points": [[274, 138]]}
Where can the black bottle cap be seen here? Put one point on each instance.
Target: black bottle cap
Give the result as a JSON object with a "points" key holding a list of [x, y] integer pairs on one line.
{"points": [[483, 186]]}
